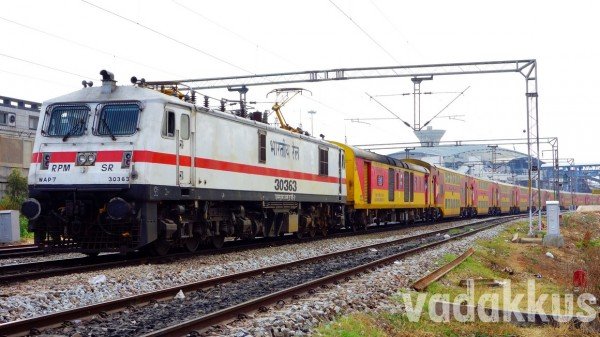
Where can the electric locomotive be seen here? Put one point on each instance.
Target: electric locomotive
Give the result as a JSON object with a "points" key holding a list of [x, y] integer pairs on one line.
{"points": [[124, 168]]}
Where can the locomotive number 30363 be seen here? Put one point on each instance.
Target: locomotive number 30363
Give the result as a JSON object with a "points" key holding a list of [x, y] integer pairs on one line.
{"points": [[286, 185]]}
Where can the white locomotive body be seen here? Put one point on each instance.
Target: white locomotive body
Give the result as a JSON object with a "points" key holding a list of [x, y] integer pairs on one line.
{"points": [[119, 168]]}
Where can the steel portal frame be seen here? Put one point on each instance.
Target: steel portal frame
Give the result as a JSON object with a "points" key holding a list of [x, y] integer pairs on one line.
{"points": [[527, 68]]}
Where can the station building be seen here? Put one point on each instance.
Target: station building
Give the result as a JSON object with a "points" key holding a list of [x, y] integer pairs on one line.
{"points": [[494, 162], [18, 122]]}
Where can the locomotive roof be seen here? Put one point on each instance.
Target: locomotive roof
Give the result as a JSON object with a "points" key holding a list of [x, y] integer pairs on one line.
{"points": [[120, 93], [135, 93]]}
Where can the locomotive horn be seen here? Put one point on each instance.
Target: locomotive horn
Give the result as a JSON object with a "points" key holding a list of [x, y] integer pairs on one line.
{"points": [[107, 75]]}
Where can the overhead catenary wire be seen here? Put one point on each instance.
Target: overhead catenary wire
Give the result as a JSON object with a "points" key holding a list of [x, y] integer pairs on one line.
{"points": [[168, 37], [45, 66], [444, 108], [34, 78], [236, 34], [364, 32], [390, 111], [391, 23], [62, 38], [241, 37], [422, 93]]}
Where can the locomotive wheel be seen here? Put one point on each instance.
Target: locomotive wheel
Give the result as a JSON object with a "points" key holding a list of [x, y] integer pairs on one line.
{"points": [[192, 244], [160, 247], [312, 232], [218, 241], [324, 231], [299, 234]]}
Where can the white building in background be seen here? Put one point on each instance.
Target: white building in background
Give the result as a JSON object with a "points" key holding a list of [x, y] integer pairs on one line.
{"points": [[18, 122], [483, 161]]}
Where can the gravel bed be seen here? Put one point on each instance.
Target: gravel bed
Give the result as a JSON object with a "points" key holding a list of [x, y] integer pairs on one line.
{"points": [[40, 258], [39, 297], [370, 292], [144, 319]]}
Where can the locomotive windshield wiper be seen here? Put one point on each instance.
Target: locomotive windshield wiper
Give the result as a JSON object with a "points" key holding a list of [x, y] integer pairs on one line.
{"points": [[112, 136], [73, 128]]}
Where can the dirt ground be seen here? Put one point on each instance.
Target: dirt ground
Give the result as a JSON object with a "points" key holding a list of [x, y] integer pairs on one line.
{"points": [[502, 259]]}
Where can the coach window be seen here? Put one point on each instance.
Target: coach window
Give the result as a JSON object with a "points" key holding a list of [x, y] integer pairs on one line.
{"points": [[391, 184], [185, 126], [406, 186], [412, 187], [262, 147], [323, 162], [168, 129]]}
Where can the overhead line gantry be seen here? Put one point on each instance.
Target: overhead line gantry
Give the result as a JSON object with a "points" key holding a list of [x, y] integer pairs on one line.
{"points": [[526, 67]]}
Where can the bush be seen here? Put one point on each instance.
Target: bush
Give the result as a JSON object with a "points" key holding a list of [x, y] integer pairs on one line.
{"points": [[23, 222], [16, 191]]}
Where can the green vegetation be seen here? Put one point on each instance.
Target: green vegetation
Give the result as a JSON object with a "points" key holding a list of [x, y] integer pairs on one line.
{"points": [[497, 258], [384, 325], [16, 192], [25, 234], [358, 325], [455, 231]]}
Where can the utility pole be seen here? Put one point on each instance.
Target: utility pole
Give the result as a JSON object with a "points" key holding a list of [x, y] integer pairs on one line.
{"points": [[494, 148], [312, 116], [417, 99]]}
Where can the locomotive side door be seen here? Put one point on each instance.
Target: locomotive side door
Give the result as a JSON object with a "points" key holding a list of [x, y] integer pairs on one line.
{"points": [[184, 127]]}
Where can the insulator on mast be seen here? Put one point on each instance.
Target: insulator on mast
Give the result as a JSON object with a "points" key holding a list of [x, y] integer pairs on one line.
{"points": [[222, 105], [206, 102]]}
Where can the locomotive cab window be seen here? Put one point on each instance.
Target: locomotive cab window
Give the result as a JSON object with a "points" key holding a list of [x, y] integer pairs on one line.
{"points": [[262, 147], [118, 119], [323, 162], [66, 120], [168, 129]]}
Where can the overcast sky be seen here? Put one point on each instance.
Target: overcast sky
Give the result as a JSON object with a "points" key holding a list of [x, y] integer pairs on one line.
{"points": [[49, 47]]}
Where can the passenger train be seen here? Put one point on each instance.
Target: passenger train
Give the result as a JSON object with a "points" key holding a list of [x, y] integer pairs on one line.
{"points": [[129, 168]]}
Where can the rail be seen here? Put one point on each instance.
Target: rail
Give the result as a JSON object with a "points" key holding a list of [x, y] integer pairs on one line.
{"points": [[21, 327]]}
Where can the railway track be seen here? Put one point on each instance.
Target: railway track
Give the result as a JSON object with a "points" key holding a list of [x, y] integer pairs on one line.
{"points": [[19, 251], [223, 298], [42, 269]]}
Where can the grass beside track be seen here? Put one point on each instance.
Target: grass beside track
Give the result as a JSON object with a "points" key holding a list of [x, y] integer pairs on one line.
{"points": [[501, 260]]}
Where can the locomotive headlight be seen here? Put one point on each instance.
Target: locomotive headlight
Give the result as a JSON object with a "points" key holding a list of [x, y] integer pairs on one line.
{"points": [[91, 159], [81, 159], [85, 159]]}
